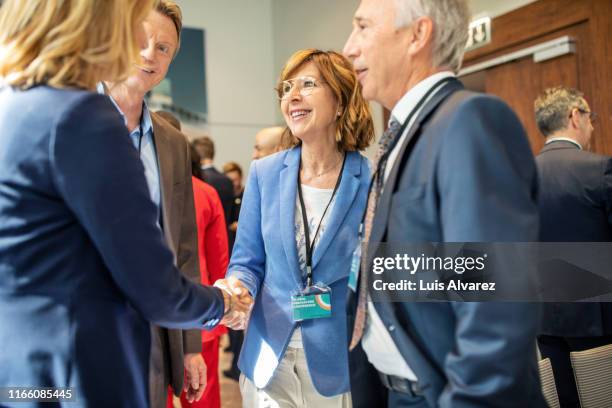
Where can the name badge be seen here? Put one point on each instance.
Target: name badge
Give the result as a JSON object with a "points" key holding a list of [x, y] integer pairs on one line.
{"points": [[354, 274], [311, 305]]}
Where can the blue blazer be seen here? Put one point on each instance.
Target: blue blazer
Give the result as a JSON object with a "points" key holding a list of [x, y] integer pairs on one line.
{"points": [[84, 267], [265, 259]]}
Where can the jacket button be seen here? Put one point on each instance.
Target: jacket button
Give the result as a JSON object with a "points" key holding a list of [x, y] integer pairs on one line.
{"points": [[391, 327]]}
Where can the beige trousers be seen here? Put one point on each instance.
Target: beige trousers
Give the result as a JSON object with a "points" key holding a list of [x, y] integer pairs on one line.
{"points": [[290, 387]]}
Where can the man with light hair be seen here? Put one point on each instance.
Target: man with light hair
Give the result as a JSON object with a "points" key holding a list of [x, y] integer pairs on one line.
{"points": [[176, 358], [575, 206], [453, 166], [267, 141]]}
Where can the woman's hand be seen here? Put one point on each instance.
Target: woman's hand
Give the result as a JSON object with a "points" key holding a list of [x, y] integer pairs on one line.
{"points": [[238, 303]]}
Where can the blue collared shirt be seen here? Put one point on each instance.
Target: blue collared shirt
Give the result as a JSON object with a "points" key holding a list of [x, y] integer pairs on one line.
{"points": [[146, 148]]}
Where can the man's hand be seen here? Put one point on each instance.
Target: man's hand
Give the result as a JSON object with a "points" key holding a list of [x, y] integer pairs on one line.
{"points": [[238, 303], [195, 376]]}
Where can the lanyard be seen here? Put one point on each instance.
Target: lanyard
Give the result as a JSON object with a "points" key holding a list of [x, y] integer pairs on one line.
{"points": [[384, 157], [310, 245]]}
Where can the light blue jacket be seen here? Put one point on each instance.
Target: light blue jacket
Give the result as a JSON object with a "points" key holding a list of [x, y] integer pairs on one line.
{"points": [[265, 259]]}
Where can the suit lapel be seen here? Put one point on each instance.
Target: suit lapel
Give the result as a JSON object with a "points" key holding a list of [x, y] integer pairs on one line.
{"points": [[379, 224], [164, 162], [288, 191], [344, 198]]}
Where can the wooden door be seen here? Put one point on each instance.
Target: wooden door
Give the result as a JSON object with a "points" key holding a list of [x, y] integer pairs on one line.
{"points": [[521, 81]]}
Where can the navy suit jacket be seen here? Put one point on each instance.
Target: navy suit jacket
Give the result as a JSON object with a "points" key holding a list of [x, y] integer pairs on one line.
{"points": [[575, 206], [83, 265], [471, 177], [265, 259], [224, 187]]}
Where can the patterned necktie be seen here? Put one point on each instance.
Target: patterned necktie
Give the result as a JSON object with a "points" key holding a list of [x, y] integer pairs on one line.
{"points": [[380, 163]]}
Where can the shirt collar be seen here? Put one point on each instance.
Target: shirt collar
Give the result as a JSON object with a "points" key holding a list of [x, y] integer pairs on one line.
{"points": [[145, 121], [407, 103], [563, 139]]}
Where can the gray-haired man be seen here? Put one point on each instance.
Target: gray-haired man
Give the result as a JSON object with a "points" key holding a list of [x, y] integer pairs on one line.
{"points": [[470, 177]]}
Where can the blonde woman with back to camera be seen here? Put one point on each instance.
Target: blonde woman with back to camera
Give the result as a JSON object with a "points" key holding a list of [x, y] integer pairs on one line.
{"points": [[78, 231], [298, 229]]}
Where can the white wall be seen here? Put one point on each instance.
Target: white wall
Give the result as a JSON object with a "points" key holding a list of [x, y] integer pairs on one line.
{"points": [[494, 8], [240, 72], [320, 24]]}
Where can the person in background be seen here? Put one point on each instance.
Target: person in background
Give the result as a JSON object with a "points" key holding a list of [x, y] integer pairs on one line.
{"points": [[234, 172], [453, 166], [175, 354], [267, 141], [575, 206], [214, 257], [206, 150], [85, 266], [297, 232]]}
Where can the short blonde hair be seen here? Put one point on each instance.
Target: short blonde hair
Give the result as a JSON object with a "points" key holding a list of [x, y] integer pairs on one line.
{"points": [[354, 127], [69, 43], [171, 10]]}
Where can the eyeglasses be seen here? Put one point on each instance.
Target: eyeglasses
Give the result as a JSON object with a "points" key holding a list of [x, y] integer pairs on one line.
{"points": [[305, 86], [592, 115]]}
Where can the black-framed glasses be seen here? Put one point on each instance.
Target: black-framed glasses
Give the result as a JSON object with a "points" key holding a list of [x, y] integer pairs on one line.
{"points": [[304, 84], [592, 115]]}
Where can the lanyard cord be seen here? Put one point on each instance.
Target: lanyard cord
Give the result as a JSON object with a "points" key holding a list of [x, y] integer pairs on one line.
{"points": [[384, 157], [310, 245]]}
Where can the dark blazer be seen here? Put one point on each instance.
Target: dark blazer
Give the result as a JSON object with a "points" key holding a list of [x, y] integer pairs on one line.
{"points": [[471, 177], [84, 267], [224, 187], [575, 206], [234, 218], [179, 226]]}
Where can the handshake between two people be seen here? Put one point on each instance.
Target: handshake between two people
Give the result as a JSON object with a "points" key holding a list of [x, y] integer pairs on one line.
{"points": [[238, 303]]}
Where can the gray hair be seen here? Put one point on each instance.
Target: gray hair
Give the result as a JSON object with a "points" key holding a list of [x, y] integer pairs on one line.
{"points": [[554, 106], [451, 20]]}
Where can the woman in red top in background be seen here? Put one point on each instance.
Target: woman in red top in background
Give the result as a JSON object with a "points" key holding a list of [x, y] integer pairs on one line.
{"points": [[214, 257]]}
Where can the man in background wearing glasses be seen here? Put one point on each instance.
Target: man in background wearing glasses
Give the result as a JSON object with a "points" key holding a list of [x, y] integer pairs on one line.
{"points": [[575, 206]]}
